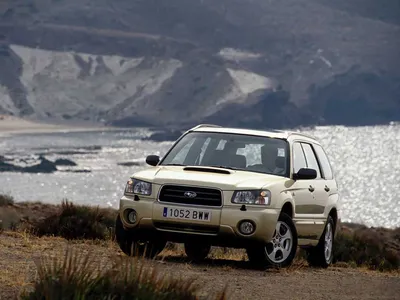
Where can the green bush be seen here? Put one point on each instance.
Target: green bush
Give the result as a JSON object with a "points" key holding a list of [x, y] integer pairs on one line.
{"points": [[6, 200], [80, 276], [376, 248], [77, 222]]}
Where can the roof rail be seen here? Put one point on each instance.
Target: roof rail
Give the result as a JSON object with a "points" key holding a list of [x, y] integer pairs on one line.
{"points": [[204, 125], [302, 134]]}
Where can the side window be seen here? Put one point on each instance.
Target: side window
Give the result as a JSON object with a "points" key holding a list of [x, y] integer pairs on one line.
{"points": [[312, 162], [299, 161], [324, 161]]}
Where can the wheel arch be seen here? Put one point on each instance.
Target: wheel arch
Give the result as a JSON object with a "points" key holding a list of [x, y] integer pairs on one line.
{"points": [[333, 213], [288, 208]]}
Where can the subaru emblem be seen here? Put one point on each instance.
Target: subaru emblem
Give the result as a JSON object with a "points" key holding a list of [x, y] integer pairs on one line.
{"points": [[190, 194]]}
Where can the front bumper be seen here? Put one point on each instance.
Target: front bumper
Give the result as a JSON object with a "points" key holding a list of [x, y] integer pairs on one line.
{"points": [[221, 230]]}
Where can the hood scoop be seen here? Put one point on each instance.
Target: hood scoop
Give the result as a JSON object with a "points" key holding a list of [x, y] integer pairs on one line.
{"points": [[207, 170]]}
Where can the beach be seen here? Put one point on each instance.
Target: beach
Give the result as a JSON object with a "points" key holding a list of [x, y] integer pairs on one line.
{"points": [[14, 125]]}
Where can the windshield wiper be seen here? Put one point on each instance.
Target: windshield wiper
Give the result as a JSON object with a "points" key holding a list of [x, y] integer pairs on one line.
{"points": [[181, 165]]}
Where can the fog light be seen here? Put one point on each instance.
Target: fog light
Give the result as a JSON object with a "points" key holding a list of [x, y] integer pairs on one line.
{"points": [[247, 227], [132, 217]]}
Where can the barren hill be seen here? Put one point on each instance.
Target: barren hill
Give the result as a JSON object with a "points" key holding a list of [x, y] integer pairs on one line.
{"points": [[172, 63]]}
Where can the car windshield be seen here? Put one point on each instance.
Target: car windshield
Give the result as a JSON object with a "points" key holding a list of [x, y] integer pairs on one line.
{"points": [[231, 151]]}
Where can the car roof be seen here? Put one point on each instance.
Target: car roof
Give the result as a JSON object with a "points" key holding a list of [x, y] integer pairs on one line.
{"points": [[272, 133]]}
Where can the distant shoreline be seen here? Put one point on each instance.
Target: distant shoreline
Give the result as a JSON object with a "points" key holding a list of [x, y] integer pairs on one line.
{"points": [[13, 125]]}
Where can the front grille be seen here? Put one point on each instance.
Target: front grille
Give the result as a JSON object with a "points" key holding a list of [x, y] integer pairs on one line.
{"points": [[204, 196], [187, 227]]}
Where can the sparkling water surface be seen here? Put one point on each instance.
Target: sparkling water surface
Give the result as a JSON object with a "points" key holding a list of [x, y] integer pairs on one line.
{"points": [[366, 162]]}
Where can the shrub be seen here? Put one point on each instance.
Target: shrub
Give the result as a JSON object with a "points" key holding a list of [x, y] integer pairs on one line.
{"points": [[79, 276], [377, 248], [6, 200], [356, 245], [77, 222]]}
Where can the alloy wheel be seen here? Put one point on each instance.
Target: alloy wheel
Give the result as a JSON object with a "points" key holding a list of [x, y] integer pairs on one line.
{"points": [[281, 245]]}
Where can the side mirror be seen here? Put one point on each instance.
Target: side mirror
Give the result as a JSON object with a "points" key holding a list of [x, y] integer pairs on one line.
{"points": [[152, 160], [305, 173]]}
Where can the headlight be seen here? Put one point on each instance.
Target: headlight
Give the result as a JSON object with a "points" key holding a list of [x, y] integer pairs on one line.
{"points": [[262, 197], [139, 187]]}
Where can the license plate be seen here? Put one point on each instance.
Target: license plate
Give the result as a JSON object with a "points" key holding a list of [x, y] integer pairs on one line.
{"points": [[187, 214]]}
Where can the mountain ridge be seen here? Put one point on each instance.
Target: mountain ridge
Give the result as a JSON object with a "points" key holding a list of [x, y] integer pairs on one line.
{"points": [[201, 60]]}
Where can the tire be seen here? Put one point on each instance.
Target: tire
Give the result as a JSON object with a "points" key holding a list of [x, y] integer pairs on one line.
{"points": [[134, 247], [197, 252], [281, 251], [322, 255]]}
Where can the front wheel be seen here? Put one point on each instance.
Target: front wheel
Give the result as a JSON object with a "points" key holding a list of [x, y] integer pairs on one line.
{"points": [[322, 254], [132, 246], [281, 251]]}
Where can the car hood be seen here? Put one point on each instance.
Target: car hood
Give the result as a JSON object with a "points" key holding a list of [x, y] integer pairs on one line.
{"points": [[205, 176]]}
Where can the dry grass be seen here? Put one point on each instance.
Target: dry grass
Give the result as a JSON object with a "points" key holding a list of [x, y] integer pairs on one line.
{"points": [[79, 276], [20, 253], [377, 249], [216, 253], [228, 254], [355, 246], [227, 259], [16, 264], [77, 222], [6, 200]]}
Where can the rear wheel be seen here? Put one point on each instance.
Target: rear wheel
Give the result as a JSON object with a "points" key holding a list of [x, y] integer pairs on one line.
{"points": [[281, 251], [322, 254], [197, 252], [133, 246]]}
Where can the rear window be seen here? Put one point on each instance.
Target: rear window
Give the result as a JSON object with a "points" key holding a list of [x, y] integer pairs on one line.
{"points": [[327, 172]]}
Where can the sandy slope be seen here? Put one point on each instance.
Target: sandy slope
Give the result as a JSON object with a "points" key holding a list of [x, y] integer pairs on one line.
{"points": [[11, 125], [19, 251]]}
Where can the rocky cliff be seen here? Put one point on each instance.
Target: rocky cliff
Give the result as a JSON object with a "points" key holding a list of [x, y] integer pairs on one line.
{"points": [[257, 63]]}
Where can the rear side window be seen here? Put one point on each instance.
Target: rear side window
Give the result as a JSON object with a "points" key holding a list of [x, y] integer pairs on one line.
{"points": [[312, 162], [324, 161], [299, 161]]}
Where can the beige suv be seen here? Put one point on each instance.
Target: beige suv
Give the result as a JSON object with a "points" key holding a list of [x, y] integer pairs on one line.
{"points": [[266, 191]]}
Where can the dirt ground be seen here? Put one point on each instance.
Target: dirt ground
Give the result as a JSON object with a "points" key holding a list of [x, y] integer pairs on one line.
{"points": [[19, 251]]}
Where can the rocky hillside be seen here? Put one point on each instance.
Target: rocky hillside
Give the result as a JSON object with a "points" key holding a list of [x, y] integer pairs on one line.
{"points": [[171, 63]]}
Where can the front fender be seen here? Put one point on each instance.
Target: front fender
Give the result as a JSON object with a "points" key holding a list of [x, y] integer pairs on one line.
{"points": [[285, 201]]}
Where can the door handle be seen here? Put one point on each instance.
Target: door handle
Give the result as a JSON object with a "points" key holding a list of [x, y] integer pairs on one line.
{"points": [[327, 189], [311, 189]]}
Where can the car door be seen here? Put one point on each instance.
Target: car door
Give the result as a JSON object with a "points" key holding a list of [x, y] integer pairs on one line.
{"points": [[327, 173], [302, 192], [330, 184], [317, 208]]}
